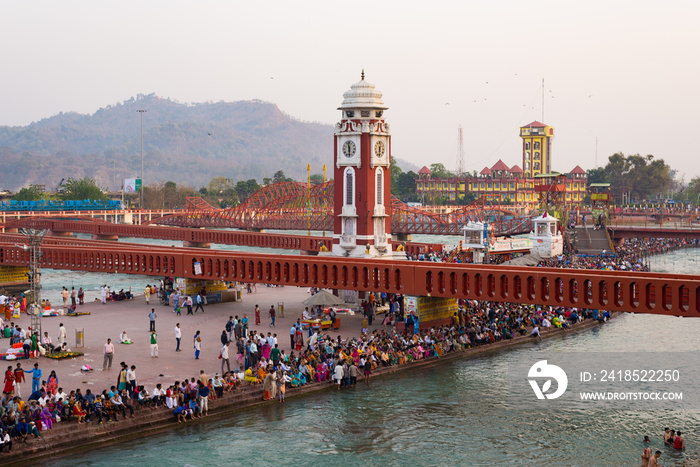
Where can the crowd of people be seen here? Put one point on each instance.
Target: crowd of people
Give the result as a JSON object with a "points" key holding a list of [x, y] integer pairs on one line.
{"points": [[315, 358]]}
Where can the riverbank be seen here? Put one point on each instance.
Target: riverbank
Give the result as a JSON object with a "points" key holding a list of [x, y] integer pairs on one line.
{"points": [[70, 438]]}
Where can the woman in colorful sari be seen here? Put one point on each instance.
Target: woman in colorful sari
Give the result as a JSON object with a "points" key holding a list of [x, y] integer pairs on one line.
{"points": [[311, 371], [52, 383], [249, 376], [298, 340], [266, 350], [46, 418], [321, 372], [262, 373], [267, 387], [9, 381]]}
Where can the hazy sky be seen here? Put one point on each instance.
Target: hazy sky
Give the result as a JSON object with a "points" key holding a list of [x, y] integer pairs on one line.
{"points": [[626, 72]]}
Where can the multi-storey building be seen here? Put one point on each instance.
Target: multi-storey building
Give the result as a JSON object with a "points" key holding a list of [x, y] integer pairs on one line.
{"points": [[514, 185]]}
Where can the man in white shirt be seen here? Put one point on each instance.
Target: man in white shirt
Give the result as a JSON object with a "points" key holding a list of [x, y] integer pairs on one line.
{"points": [[131, 378], [178, 336], [61, 395], [108, 355], [61, 335], [158, 395], [224, 357]]}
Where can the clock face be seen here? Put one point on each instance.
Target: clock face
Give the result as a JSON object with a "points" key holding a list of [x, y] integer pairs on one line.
{"points": [[349, 148], [379, 148]]}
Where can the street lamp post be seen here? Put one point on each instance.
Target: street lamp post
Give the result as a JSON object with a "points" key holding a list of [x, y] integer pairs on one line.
{"points": [[34, 238], [324, 182], [141, 111], [308, 197]]}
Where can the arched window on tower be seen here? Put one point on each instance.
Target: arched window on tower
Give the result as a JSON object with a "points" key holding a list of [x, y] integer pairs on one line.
{"points": [[527, 145], [380, 186], [349, 186]]}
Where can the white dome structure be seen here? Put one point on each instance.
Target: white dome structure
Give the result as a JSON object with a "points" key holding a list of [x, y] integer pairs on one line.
{"points": [[362, 95]]}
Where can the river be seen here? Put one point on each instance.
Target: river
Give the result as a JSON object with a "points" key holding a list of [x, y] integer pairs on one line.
{"points": [[459, 413]]}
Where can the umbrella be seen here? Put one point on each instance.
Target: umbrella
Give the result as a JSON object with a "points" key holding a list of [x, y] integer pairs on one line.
{"points": [[323, 298]]}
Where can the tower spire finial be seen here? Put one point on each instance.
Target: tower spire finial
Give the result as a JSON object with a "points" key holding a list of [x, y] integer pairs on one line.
{"points": [[363, 74]]}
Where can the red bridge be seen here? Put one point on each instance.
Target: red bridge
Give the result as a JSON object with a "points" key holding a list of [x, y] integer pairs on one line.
{"points": [[610, 290], [191, 237], [292, 206]]}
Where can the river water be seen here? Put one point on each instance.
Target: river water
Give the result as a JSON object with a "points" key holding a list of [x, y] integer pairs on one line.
{"points": [[459, 413]]}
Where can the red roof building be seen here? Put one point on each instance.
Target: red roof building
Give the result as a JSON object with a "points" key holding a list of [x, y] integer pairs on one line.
{"points": [[515, 185]]}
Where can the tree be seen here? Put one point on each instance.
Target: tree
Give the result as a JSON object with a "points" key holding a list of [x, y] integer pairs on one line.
{"points": [[467, 198], [316, 178], [405, 188], [166, 196], [439, 171], [642, 177], [279, 177], [395, 173], [218, 185], [85, 188], [246, 188], [222, 191], [30, 193], [691, 193]]}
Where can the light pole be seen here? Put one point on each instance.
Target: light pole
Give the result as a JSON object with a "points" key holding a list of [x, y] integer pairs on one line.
{"points": [[34, 238], [324, 182], [141, 111], [308, 197]]}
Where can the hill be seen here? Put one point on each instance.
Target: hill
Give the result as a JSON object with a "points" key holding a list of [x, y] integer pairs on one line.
{"points": [[185, 143]]}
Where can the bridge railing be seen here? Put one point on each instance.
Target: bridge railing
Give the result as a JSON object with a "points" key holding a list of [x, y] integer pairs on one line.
{"points": [[609, 290]]}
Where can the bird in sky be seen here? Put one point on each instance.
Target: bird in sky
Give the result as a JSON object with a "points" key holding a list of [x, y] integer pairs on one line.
{"points": [[209, 134]]}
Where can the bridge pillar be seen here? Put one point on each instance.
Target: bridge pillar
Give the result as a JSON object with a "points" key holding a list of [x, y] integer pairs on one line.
{"points": [[12, 230], [257, 229], [402, 237], [104, 237], [188, 244], [53, 233]]}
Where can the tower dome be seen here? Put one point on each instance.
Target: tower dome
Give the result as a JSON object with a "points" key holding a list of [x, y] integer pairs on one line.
{"points": [[362, 95]]}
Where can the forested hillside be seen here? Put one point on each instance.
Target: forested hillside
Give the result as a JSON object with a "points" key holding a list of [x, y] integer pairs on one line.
{"points": [[185, 143]]}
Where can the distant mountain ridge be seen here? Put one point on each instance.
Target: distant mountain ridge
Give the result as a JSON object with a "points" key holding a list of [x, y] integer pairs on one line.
{"points": [[185, 143]]}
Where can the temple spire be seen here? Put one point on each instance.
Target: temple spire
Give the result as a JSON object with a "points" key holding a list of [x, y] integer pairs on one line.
{"points": [[363, 74]]}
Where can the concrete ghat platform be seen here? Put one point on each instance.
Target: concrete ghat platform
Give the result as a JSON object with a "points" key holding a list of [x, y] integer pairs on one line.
{"points": [[70, 438]]}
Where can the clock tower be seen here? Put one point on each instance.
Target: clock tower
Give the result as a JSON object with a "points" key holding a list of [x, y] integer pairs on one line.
{"points": [[362, 152]]}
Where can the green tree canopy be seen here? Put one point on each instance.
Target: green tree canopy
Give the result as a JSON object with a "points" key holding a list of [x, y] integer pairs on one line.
{"points": [[279, 177], [246, 188], [85, 188], [439, 171], [222, 191], [643, 177], [30, 193]]}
